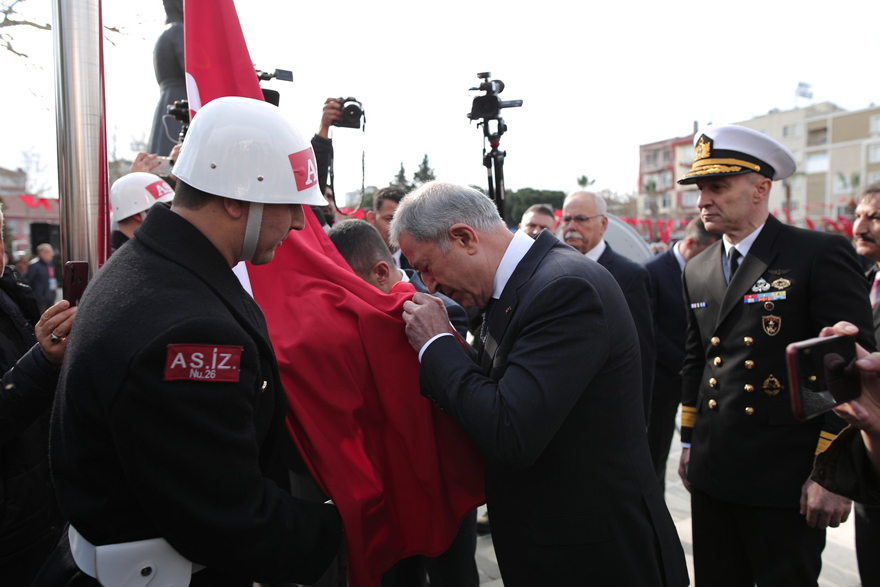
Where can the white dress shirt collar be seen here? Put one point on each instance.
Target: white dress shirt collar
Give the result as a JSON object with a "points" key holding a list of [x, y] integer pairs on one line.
{"points": [[596, 251], [678, 256], [516, 250]]}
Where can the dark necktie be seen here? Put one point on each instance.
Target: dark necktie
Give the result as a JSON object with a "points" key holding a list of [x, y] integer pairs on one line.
{"points": [[734, 261], [484, 329]]}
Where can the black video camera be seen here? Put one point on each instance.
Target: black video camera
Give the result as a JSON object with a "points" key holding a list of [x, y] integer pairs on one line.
{"points": [[179, 110], [489, 105], [352, 113]]}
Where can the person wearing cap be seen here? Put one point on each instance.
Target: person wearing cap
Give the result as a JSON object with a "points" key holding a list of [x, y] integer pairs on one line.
{"points": [[131, 197], [757, 516], [170, 409]]}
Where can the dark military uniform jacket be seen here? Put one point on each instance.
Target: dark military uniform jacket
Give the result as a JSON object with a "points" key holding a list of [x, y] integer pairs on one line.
{"points": [[169, 413], [746, 445]]}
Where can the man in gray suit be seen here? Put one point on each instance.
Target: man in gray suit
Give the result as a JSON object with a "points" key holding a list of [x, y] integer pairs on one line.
{"points": [[866, 233]]}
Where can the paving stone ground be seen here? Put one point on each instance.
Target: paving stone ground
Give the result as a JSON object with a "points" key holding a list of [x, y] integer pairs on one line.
{"points": [[839, 568]]}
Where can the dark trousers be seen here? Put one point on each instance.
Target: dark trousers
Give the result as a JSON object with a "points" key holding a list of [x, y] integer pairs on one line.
{"points": [[661, 424], [456, 567], [868, 544], [739, 545]]}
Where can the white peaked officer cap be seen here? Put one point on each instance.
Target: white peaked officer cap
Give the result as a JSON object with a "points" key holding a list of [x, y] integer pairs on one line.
{"points": [[733, 150], [246, 149]]}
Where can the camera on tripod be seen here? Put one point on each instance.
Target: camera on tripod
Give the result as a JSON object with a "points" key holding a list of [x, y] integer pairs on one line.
{"points": [[352, 113], [488, 106]]}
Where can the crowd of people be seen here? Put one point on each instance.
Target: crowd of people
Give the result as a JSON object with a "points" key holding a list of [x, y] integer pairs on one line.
{"points": [[563, 362]]}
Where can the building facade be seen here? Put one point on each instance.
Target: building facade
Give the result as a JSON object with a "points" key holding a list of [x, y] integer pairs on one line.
{"points": [[837, 153]]}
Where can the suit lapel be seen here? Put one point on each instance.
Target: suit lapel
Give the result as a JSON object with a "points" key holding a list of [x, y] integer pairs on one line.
{"points": [[751, 269], [505, 306]]}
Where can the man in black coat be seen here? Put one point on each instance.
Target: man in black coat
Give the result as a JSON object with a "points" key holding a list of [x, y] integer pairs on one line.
{"points": [[553, 400], [29, 520], [170, 408], [670, 326], [584, 222], [757, 517]]}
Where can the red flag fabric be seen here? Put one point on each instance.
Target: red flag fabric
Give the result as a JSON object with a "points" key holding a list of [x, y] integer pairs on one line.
{"points": [[401, 472], [216, 56]]}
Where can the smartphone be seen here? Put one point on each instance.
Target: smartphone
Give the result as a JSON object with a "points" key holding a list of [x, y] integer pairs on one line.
{"points": [[164, 167], [76, 278], [822, 374]]}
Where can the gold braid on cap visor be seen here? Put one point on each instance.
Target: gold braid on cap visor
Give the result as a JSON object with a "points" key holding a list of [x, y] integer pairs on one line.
{"points": [[707, 166]]}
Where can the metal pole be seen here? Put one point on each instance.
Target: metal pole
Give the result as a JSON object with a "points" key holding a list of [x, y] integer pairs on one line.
{"points": [[81, 131]]}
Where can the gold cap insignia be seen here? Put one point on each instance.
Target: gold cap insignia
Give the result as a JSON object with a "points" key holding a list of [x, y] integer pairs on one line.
{"points": [[703, 149]]}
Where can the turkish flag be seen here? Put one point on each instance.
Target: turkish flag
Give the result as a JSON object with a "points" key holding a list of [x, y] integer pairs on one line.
{"points": [[216, 57], [401, 473]]}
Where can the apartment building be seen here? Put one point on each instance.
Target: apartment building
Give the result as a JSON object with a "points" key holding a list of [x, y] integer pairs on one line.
{"points": [[837, 152]]}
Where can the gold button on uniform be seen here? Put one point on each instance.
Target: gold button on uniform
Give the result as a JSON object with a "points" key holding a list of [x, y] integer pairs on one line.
{"points": [[713, 382], [749, 388], [712, 404], [750, 411], [715, 341], [749, 341], [750, 364], [263, 388], [717, 361]]}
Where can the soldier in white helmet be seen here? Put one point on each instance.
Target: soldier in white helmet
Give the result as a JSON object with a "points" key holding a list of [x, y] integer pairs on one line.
{"points": [[131, 197], [171, 408]]}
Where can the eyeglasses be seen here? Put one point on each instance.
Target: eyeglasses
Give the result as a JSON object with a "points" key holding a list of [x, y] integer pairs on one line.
{"points": [[580, 218]]}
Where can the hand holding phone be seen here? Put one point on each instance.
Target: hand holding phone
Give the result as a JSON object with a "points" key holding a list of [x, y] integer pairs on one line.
{"points": [[822, 374], [76, 278]]}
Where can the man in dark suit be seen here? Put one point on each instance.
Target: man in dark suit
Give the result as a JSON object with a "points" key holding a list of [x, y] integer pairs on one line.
{"points": [[866, 230], [670, 327], [552, 400], [41, 276], [757, 517], [584, 222]]}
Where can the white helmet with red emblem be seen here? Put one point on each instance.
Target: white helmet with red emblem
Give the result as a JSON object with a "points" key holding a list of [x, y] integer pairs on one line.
{"points": [[246, 149], [134, 193]]}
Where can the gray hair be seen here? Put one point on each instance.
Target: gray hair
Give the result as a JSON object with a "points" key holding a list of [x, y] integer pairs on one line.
{"points": [[601, 206], [428, 213]]}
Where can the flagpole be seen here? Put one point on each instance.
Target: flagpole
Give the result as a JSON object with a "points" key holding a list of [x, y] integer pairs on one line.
{"points": [[80, 121]]}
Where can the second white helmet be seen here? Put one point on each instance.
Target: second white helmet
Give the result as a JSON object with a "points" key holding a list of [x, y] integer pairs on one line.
{"points": [[134, 193], [246, 149]]}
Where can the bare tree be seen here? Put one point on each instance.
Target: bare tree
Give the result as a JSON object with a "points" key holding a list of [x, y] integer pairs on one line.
{"points": [[37, 184], [12, 18]]}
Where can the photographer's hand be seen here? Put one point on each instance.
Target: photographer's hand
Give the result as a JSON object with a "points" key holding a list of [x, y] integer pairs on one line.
{"points": [[145, 163], [332, 112], [863, 413]]}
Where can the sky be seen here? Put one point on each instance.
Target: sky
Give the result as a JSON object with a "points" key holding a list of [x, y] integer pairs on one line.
{"points": [[597, 79]]}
